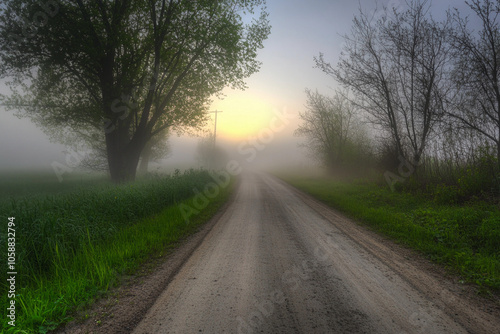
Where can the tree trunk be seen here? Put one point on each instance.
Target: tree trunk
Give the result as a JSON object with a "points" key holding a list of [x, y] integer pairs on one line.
{"points": [[145, 157], [123, 169], [123, 155]]}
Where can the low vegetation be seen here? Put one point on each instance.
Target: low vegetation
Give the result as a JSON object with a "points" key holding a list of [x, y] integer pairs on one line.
{"points": [[423, 89], [72, 247], [465, 236]]}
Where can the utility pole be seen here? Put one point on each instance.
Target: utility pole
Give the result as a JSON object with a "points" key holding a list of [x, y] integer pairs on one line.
{"points": [[212, 158], [215, 125]]}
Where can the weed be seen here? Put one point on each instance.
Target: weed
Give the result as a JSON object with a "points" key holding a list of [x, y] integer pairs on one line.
{"points": [[73, 247], [465, 238]]}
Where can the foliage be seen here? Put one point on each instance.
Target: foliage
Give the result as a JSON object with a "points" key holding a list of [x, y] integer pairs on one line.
{"points": [[73, 247], [476, 179], [465, 238], [431, 92], [63, 221], [126, 70], [156, 148]]}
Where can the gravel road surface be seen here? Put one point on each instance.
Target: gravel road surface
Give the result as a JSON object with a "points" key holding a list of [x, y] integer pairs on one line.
{"points": [[278, 261]]}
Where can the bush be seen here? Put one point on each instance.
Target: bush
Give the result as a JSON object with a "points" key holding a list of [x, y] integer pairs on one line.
{"points": [[481, 178], [451, 183], [488, 233], [445, 194]]}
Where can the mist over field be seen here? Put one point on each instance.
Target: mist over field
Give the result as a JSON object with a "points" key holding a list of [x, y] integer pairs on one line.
{"points": [[250, 166], [300, 30]]}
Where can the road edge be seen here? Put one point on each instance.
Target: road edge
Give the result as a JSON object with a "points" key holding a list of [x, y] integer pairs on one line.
{"points": [[459, 301], [114, 314]]}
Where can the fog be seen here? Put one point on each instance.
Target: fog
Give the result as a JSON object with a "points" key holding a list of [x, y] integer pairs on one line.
{"points": [[24, 146], [300, 31]]}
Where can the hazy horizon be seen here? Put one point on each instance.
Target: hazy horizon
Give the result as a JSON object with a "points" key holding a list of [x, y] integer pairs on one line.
{"points": [[300, 31]]}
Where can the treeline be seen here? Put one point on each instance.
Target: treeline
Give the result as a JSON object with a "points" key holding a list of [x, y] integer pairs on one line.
{"points": [[420, 100]]}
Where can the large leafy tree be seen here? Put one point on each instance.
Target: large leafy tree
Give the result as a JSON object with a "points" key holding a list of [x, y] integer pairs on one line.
{"points": [[126, 69]]}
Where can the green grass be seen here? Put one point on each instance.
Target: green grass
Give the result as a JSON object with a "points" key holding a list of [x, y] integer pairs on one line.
{"points": [[71, 248], [464, 238], [27, 184]]}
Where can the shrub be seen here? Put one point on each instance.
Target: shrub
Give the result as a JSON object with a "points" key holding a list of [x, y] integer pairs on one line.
{"points": [[480, 178], [446, 194]]}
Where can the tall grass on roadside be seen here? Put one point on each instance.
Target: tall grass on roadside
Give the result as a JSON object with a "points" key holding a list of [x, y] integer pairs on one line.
{"points": [[452, 181], [465, 238], [73, 246]]}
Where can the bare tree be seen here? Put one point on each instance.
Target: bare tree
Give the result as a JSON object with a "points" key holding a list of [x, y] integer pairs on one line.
{"points": [[477, 72], [365, 70], [420, 52], [331, 128], [396, 68]]}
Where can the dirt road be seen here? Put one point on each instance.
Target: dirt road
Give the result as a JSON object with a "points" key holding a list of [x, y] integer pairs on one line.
{"points": [[278, 261]]}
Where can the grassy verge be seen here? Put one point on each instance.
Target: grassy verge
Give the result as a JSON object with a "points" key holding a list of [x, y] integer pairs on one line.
{"points": [[78, 256], [24, 184], [464, 238]]}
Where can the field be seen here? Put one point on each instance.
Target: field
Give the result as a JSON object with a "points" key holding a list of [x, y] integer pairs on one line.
{"points": [[464, 238], [74, 239]]}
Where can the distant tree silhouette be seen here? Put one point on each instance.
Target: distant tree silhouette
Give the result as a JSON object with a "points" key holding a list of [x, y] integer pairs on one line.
{"points": [[396, 67], [333, 133]]}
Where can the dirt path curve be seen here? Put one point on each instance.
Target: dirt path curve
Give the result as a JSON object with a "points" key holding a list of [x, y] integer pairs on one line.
{"points": [[278, 261]]}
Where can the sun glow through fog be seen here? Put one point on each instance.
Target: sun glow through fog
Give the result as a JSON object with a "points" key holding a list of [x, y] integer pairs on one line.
{"points": [[242, 116]]}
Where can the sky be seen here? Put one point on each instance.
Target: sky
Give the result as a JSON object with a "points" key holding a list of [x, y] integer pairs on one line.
{"points": [[256, 124]]}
